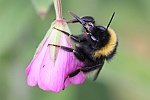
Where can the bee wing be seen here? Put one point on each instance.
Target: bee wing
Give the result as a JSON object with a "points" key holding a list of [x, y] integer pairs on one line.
{"points": [[99, 69]]}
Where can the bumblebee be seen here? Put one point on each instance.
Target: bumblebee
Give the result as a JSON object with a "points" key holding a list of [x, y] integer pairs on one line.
{"points": [[96, 44]]}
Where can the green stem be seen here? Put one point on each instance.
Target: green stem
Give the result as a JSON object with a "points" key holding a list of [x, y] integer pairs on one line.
{"points": [[58, 9]]}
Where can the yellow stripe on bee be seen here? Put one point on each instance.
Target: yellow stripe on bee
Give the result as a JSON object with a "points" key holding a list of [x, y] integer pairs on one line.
{"points": [[108, 48]]}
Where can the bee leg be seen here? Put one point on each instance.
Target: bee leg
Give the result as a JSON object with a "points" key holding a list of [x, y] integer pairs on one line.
{"points": [[77, 54], [75, 38], [74, 73], [84, 69], [62, 47], [72, 21]]}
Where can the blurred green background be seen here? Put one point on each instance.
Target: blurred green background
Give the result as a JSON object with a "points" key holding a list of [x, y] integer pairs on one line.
{"points": [[126, 77]]}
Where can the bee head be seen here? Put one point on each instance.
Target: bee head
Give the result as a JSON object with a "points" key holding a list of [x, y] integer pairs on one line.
{"points": [[88, 23]]}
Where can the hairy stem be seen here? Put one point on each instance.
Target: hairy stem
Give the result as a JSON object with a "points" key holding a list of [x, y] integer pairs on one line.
{"points": [[58, 9]]}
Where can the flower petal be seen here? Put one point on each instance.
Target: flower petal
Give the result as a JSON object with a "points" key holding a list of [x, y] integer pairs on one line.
{"points": [[52, 75], [34, 67]]}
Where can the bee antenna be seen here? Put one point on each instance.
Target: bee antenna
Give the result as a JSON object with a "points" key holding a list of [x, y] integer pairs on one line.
{"points": [[110, 20]]}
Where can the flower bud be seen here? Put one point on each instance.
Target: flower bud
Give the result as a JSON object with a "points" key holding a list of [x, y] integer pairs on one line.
{"points": [[42, 7]]}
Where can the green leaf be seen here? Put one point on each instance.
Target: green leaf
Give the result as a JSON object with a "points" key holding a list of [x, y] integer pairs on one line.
{"points": [[42, 6]]}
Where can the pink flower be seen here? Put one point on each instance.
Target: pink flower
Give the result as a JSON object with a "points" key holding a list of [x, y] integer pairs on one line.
{"points": [[51, 65]]}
